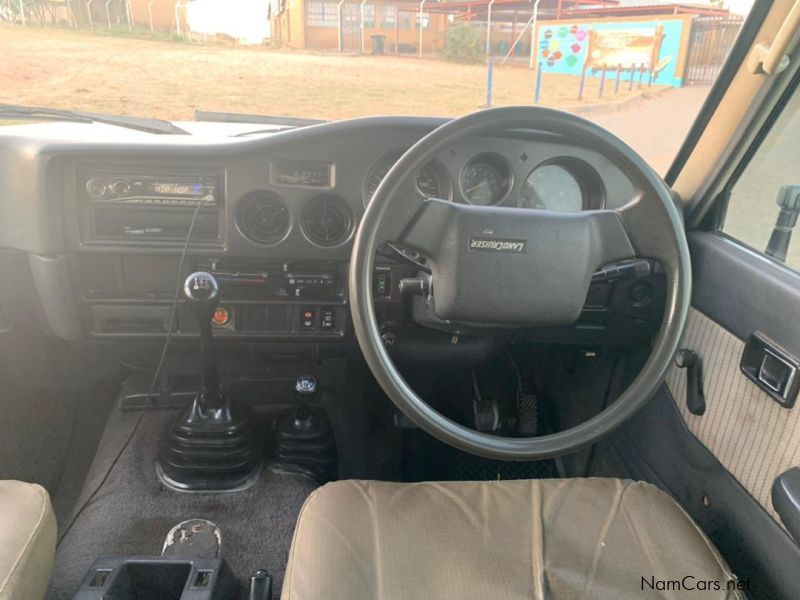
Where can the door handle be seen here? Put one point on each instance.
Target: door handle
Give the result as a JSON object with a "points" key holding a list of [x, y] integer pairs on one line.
{"points": [[771, 368]]}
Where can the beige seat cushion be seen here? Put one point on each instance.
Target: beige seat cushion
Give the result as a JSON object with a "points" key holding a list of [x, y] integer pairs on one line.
{"points": [[572, 538], [27, 540]]}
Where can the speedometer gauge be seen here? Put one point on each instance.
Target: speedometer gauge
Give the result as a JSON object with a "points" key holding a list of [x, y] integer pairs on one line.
{"points": [[563, 184], [552, 187], [486, 179]]}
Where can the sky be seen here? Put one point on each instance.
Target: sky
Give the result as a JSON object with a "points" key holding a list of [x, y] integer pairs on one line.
{"points": [[741, 7]]}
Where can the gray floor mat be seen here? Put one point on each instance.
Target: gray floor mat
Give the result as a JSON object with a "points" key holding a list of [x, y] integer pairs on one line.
{"points": [[69, 421], [132, 513]]}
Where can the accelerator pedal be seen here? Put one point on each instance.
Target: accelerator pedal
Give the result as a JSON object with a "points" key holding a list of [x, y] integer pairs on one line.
{"points": [[527, 414]]}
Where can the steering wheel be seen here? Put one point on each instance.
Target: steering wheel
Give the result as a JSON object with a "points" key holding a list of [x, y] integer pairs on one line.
{"points": [[517, 267]]}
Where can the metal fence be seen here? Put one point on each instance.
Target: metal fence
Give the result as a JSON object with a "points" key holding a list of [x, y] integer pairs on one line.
{"points": [[711, 40], [67, 13]]}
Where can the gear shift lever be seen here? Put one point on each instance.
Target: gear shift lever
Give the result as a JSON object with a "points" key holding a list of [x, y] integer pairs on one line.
{"points": [[304, 438], [213, 445], [305, 388], [202, 297]]}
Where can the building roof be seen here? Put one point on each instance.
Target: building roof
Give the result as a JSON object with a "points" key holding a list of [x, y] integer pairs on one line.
{"points": [[641, 7], [573, 8]]}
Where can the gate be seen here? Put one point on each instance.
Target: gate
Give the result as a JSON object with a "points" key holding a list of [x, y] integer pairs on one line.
{"points": [[711, 40], [351, 27]]}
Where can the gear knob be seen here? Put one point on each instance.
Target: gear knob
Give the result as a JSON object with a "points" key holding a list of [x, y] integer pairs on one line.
{"points": [[201, 288], [202, 295], [305, 388]]}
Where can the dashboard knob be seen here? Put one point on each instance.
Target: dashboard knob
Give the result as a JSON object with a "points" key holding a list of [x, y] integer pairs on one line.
{"points": [[96, 188], [121, 188]]}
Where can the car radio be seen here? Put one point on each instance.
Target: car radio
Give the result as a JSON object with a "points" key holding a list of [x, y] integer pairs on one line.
{"points": [[151, 190], [133, 206]]}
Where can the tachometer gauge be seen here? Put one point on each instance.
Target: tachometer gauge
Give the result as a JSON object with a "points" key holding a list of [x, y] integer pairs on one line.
{"points": [[486, 179]]}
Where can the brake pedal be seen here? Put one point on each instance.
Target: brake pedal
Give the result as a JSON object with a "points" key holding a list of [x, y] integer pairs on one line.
{"points": [[195, 538]]}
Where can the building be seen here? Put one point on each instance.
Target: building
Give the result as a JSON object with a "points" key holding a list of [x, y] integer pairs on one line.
{"points": [[336, 25]]}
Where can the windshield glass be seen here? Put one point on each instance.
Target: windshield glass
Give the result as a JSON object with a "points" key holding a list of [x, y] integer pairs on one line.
{"points": [[640, 68]]}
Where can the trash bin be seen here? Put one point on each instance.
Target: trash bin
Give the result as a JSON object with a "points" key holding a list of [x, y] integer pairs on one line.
{"points": [[378, 44]]}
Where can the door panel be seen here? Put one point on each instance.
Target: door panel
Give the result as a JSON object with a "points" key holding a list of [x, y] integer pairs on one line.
{"points": [[744, 291], [738, 292], [753, 437]]}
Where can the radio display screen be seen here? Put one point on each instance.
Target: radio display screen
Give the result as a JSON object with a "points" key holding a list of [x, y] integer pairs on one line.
{"points": [[173, 188]]}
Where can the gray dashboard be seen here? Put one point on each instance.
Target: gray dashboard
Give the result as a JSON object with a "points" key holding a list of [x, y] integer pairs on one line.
{"points": [[104, 253], [40, 163]]}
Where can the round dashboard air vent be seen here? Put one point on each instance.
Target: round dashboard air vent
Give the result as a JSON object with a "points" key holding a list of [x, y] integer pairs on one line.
{"points": [[327, 220], [263, 217]]}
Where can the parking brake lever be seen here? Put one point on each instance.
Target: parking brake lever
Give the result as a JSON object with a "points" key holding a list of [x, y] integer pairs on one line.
{"points": [[695, 397]]}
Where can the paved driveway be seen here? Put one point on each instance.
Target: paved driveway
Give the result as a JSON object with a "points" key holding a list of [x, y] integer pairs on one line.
{"points": [[656, 127]]}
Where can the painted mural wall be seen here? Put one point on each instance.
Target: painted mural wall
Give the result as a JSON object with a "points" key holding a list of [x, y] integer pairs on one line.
{"points": [[569, 48]]}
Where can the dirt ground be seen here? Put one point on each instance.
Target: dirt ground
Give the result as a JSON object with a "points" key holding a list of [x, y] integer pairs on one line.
{"points": [[103, 73]]}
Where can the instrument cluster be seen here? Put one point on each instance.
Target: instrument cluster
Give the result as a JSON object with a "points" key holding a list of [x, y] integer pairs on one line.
{"points": [[562, 183]]}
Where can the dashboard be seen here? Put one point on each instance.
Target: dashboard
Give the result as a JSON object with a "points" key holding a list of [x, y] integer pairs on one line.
{"points": [[103, 214]]}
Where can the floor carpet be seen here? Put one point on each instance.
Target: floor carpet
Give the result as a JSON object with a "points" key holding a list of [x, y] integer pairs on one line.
{"points": [[133, 512]]}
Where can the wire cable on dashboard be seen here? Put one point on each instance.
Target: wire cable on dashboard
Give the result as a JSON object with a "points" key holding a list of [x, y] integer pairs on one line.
{"points": [[153, 382]]}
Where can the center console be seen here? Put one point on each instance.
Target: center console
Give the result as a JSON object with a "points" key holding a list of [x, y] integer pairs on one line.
{"points": [[130, 295], [132, 223]]}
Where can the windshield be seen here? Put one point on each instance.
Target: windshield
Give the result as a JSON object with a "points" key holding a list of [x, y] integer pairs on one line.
{"points": [[641, 68]]}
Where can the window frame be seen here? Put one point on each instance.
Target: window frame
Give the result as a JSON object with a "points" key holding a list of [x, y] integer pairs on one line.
{"points": [[716, 218], [324, 20], [736, 58]]}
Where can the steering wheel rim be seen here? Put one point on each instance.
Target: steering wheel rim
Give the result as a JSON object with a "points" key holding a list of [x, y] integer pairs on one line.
{"points": [[653, 206]]}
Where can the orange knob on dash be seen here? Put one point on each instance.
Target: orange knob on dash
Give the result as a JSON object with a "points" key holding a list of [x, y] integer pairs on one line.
{"points": [[221, 316]]}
